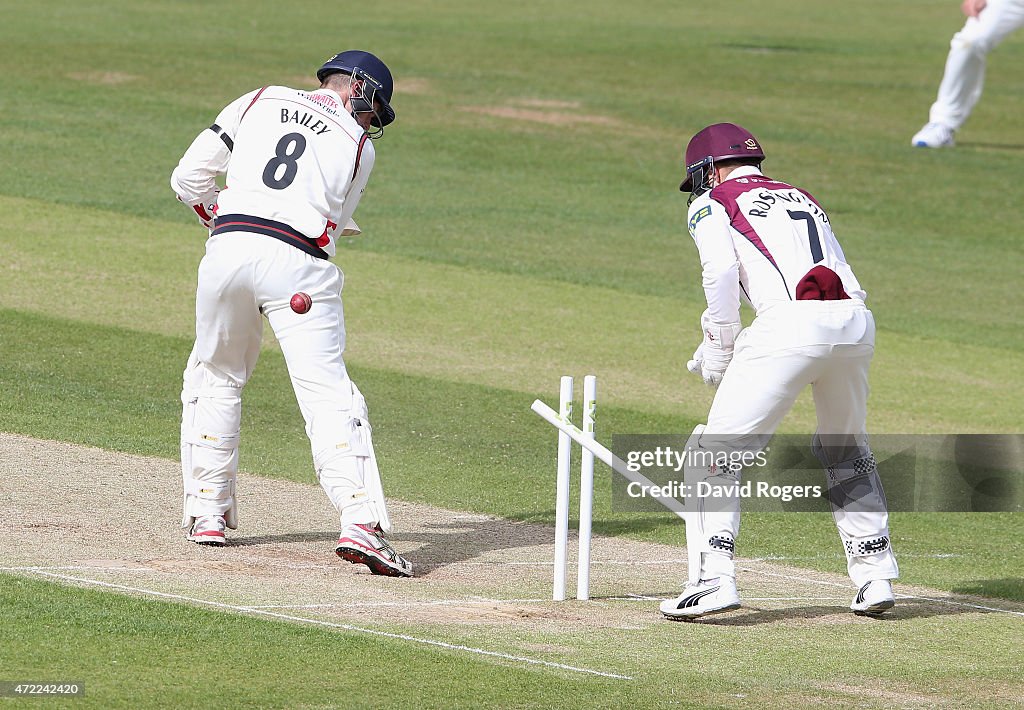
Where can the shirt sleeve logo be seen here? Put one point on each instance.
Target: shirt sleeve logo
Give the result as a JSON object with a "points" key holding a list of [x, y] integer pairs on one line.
{"points": [[698, 216]]}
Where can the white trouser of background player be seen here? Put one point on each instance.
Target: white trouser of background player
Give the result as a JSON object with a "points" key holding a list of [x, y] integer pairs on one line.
{"points": [[827, 345], [242, 278], [964, 76]]}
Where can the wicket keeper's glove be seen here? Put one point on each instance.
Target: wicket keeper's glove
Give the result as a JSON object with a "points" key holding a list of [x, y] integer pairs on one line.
{"points": [[716, 350], [694, 364]]}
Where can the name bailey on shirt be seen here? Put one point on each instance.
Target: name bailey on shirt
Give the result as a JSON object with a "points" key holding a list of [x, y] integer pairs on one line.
{"points": [[304, 119]]}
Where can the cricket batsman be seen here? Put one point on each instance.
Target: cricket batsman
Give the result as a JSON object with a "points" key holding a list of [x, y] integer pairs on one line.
{"points": [[296, 164], [771, 244]]}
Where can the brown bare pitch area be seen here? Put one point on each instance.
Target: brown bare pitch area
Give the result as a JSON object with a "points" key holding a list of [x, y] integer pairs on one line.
{"points": [[547, 103], [414, 85], [561, 118], [104, 78], [102, 517]]}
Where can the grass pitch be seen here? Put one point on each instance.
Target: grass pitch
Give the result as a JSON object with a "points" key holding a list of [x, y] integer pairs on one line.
{"points": [[480, 594], [522, 222], [133, 652]]}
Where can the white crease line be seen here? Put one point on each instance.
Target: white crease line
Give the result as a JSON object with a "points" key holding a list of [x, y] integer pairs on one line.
{"points": [[254, 607], [794, 598], [624, 563], [643, 598], [333, 625], [373, 605], [796, 578], [35, 568], [901, 596], [639, 563], [959, 603], [777, 558], [155, 570]]}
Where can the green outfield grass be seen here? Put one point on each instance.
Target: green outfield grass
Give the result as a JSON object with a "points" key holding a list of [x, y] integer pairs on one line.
{"points": [[522, 222], [139, 652]]}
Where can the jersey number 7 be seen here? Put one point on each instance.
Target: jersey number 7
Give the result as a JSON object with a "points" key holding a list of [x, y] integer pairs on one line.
{"points": [[812, 233]]}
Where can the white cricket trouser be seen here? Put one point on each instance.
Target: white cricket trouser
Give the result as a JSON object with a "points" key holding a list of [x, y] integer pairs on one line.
{"points": [[964, 76], [827, 345], [242, 279]]}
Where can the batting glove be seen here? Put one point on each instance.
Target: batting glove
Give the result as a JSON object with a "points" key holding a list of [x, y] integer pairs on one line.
{"points": [[205, 207]]}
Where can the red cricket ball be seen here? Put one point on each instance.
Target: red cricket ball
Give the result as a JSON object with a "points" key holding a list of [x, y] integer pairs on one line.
{"points": [[301, 302]]}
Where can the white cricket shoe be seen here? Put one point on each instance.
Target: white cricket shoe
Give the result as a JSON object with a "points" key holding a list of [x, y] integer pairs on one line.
{"points": [[933, 135], [874, 598], [208, 530], [705, 597], [365, 545]]}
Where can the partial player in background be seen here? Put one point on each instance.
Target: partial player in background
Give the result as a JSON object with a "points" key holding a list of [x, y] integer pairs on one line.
{"points": [[772, 245], [989, 22], [296, 163]]}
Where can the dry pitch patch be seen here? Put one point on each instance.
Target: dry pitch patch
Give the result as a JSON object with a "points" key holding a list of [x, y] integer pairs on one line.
{"points": [[88, 516]]}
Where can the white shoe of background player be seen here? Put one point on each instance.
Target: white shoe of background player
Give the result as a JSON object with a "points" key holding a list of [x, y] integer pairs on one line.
{"points": [[874, 598], [208, 530], [365, 545], [933, 135], [711, 596]]}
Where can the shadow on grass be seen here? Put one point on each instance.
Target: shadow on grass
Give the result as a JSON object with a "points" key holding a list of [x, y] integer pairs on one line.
{"points": [[1005, 588], [1010, 147], [905, 610], [460, 540], [447, 543], [453, 542], [324, 536], [444, 543], [456, 541]]}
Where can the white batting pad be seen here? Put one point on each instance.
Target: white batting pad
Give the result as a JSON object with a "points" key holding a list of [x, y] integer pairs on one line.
{"points": [[347, 466], [210, 430]]}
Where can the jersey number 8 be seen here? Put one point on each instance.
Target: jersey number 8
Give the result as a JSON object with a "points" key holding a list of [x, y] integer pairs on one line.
{"points": [[289, 149]]}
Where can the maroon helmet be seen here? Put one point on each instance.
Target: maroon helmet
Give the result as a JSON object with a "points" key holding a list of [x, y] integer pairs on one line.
{"points": [[721, 141]]}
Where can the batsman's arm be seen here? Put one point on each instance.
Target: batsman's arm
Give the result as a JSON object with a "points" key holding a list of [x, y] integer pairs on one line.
{"points": [[196, 172], [973, 8], [365, 159], [194, 180]]}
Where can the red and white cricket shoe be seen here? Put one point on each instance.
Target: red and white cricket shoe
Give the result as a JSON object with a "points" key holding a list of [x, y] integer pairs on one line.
{"points": [[208, 530], [365, 545]]}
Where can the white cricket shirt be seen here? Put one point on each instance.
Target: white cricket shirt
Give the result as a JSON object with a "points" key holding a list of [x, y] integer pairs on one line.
{"points": [[292, 157], [760, 237]]}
